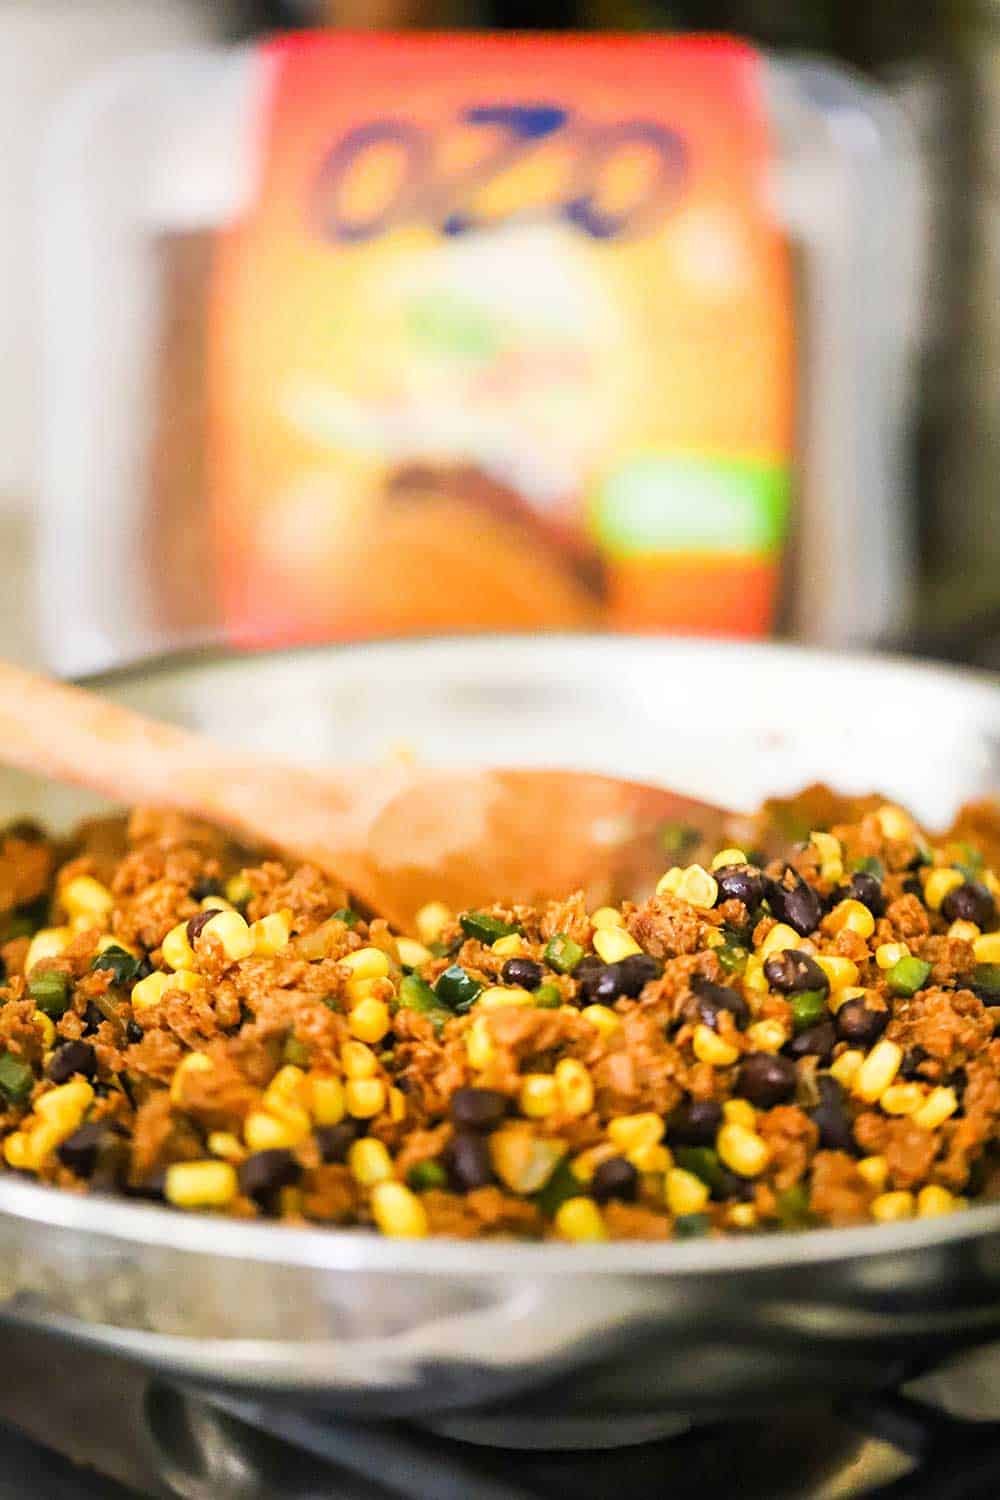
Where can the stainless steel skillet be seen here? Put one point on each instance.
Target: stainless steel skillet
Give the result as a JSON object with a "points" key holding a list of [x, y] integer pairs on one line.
{"points": [[362, 1324]]}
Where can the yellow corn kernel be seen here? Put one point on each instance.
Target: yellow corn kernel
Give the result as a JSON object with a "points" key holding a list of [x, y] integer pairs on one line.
{"points": [[509, 946], [989, 879], [108, 940], [523, 1162], [831, 855], [538, 1095], [356, 990], [200, 1184], [607, 916], [685, 1193], [754, 978], [432, 919], [939, 1105], [877, 1071], [326, 1099], [86, 897], [574, 1087], [397, 1106], [767, 1036], [150, 991], [367, 963], [741, 1216], [614, 943], [902, 1099], [710, 1048], [963, 932], [580, 1219], [895, 823], [668, 883], [271, 935], [63, 1108], [780, 939], [741, 1150], [48, 942], [728, 857], [600, 1016], [369, 1021], [852, 916], [740, 1112], [287, 1085], [413, 954], [714, 938], [650, 1159], [875, 1171], [17, 1151], [698, 888], [887, 1208], [364, 1097], [479, 1044], [846, 1067], [398, 1212], [195, 1062], [987, 948], [369, 1162], [215, 903], [586, 1164], [223, 1143], [45, 1026], [176, 950], [358, 1060], [837, 998], [265, 1132], [230, 930], [496, 995], [888, 954], [238, 890], [629, 1132], [842, 973], [933, 1200], [937, 885]]}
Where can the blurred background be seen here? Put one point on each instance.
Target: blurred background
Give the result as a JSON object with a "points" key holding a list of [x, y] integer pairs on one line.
{"points": [[132, 256]]}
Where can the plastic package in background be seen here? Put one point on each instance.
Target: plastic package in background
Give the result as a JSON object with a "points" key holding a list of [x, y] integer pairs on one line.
{"points": [[168, 147]]}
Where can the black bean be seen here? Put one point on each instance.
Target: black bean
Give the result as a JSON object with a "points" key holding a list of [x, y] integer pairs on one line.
{"points": [[793, 972], [868, 890], [265, 1173], [334, 1141], [831, 1118], [151, 1187], [626, 977], [198, 922], [710, 999], [732, 1185], [92, 1018], [587, 970], [909, 1068], [467, 1159], [816, 1041], [740, 883], [970, 902], [522, 971], [959, 1081], [799, 906], [859, 1025], [478, 1109], [79, 1151], [766, 1079], [615, 1178], [695, 1122], [70, 1058], [204, 888], [133, 1032]]}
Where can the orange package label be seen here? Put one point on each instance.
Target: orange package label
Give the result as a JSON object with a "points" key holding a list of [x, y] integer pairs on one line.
{"points": [[504, 341]]}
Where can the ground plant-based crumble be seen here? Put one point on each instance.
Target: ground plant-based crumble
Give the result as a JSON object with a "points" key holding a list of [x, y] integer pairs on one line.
{"points": [[762, 1044]]}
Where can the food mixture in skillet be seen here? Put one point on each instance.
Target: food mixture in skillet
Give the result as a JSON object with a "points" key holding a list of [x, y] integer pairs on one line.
{"points": [[760, 1044]]}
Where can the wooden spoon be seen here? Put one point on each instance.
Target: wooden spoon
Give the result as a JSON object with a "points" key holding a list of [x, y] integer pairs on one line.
{"points": [[397, 836]]}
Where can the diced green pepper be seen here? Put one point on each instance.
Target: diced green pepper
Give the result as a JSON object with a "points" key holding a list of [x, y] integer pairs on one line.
{"points": [[986, 982], [123, 965], [703, 1162], [561, 1186], [427, 1174], [908, 975], [692, 1226], [416, 994], [49, 990], [457, 989], [296, 1052], [868, 865], [793, 1207], [733, 959], [562, 954], [547, 997], [479, 924], [808, 1007], [16, 1078], [676, 837], [444, 950], [15, 927], [345, 915]]}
